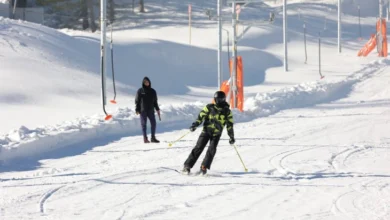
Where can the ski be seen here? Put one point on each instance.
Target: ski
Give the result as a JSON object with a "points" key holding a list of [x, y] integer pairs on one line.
{"points": [[194, 174], [198, 173]]}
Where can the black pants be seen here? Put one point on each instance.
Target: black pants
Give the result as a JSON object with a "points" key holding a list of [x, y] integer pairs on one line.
{"points": [[198, 149], [144, 118]]}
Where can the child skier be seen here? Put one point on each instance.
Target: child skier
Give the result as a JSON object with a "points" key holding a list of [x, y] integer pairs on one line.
{"points": [[215, 117]]}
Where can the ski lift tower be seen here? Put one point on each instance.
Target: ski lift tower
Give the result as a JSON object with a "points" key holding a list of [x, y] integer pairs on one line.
{"points": [[236, 5], [236, 9]]}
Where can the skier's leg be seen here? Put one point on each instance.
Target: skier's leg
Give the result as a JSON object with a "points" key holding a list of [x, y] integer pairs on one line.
{"points": [[197, 150], [208, 159]]}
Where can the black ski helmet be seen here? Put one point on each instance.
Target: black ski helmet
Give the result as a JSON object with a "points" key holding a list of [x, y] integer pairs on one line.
{"points": [[219, 97]]}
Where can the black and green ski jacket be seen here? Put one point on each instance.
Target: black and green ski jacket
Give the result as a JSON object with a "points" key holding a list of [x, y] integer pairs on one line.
{"points": [[215, 118]]}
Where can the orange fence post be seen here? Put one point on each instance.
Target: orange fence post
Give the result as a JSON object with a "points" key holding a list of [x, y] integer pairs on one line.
{"points": [[382, 24], [225, 87], [381, 30], [240, 84]]}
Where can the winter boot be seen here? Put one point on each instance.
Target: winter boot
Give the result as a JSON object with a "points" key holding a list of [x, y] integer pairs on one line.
{"points": [[186, 170], [146, 140], [154, 140], [203, 170]]}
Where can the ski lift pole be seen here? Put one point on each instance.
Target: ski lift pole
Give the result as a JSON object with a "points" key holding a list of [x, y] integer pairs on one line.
{"points": [[228, 44], [102, 54], [325, 23], [379, 32], [360, 28], [319, 55], [304, 39], [387, 10], [339, 26], [112, 67], [219, 6], [13, 12], [103, 89], [233, 88], [189, 21], [285, 36], [299, 13]]}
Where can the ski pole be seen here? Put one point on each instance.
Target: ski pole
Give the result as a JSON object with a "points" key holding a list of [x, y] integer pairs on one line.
{"points": [[246, 170], [170, 144], [159, 116]]}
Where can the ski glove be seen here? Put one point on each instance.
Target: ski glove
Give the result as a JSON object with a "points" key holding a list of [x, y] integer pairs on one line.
{"points": [[231, 140], [192, 128]]}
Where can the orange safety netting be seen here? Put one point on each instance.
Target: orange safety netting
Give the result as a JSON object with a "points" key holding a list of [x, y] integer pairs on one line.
{"points": [[383, 51], [225, 87], [372, 43], [368, 47]]}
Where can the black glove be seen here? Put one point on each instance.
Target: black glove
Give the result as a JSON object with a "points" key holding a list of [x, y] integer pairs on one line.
{"points": [[231, 140], [192, 128]]}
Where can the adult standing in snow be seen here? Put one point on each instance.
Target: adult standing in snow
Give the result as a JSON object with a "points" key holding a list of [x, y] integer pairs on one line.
{"points": [[145, 103], [215, 117]]}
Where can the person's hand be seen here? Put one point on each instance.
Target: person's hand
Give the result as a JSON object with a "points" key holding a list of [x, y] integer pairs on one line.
{"points": [[158, 113], [137, 113], [232, 141], [192, 128]]}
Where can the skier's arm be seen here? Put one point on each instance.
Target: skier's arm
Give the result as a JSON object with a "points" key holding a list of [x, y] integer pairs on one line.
{"points": [[137, 102], [229, 124], [202, 115], [155, 103]]}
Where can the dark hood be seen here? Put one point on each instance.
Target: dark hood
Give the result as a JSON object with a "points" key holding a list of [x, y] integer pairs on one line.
{"points": [[150, 83]]}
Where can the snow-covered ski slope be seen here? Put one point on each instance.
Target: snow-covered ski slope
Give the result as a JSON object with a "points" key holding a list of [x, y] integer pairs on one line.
{"points": [[315, 149]]}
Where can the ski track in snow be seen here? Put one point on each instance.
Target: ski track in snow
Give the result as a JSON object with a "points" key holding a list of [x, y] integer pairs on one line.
{"points": [[283, 156], [338, 161], [353, 204], [46, 196]]}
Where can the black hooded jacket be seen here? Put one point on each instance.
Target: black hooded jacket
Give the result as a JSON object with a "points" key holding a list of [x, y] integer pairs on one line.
{"points": [[146, 98]]}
